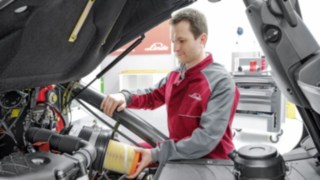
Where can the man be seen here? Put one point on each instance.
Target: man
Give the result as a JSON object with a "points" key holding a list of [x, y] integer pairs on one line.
{"points": [[200, 98]]}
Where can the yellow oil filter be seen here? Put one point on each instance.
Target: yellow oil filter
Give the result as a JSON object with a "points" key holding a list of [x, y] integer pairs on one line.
{"points": [[121, 158]]}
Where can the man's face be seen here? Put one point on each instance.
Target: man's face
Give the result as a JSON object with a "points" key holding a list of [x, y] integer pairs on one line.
{"points": [[187, 49]]}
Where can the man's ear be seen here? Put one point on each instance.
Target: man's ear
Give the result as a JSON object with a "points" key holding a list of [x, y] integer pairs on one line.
{"points": [[203, 39]]}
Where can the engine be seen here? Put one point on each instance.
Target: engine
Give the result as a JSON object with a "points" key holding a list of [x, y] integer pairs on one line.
{"points": [[22, 109], [36, 136]]}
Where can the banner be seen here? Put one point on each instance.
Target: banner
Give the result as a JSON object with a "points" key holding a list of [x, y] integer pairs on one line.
{"points": [[157, 41]]}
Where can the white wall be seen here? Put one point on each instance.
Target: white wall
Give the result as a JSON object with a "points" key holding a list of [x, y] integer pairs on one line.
{"points": [[111, 78], [223, 20], [310, 11]]}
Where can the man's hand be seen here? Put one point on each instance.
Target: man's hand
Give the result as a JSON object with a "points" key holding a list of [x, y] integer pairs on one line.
{"points": [[113, 101], [146, 159]]}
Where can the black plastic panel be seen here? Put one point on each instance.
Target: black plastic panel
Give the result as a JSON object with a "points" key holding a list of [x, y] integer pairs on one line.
{"points": [[286, 47], [220, 170], [200, 170], [309, 81], [37, 166]]}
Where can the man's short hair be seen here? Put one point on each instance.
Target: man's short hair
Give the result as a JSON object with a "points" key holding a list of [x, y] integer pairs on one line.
{"points": [[197, 20]]}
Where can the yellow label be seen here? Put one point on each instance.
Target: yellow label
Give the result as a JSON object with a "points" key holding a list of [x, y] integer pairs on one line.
{"points": [[15, 113], [74, 35], [290, 110]]}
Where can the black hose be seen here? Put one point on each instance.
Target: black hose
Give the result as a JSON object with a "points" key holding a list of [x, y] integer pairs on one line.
{"points": [[63, 143], [128, 119], [106, 123]]}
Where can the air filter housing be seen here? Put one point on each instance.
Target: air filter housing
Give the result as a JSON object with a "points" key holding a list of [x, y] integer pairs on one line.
{"points": [[259, 162]]}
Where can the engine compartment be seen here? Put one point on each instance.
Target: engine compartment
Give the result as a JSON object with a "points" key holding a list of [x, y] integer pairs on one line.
{"points": [[37, 135], [21, 109]]}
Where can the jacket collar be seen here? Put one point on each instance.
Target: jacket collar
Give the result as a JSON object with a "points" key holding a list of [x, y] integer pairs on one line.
{"points": [[198, 67]]}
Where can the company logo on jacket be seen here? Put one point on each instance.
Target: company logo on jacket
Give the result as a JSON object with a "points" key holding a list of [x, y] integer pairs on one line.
{"points": [[196, 96]]}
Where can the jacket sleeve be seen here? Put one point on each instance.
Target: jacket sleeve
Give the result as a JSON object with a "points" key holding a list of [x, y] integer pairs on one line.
{"points": [[150, 98], [213, 124]]}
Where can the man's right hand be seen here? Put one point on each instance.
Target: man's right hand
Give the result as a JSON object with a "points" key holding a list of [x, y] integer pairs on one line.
{"points": [[112, 102]]}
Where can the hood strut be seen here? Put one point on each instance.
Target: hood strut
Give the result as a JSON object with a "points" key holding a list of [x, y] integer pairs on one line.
{"points": [[111, 65]]}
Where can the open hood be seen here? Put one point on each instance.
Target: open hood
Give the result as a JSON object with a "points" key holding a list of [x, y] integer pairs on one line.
{"points": [[35, 35]]}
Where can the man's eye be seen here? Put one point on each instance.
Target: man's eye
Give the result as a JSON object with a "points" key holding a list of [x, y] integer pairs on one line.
{"points": [[181, 41]]}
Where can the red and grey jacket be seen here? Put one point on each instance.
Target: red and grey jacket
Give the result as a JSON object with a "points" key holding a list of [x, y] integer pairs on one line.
{"points": [[201, 103]]}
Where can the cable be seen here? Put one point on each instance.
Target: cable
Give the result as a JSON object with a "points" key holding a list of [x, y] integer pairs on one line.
{"points": [[4, 117], [7, 131], [104, 175], [66, 109], [123, 177], [67, 94], [115, 128], [57, 114]]}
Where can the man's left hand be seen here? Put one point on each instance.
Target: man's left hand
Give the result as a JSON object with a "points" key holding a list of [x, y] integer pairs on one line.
{"points": [[146, 159]]}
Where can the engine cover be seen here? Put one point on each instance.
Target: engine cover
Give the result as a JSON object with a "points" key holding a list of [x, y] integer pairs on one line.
{"points": [[38, 166]]}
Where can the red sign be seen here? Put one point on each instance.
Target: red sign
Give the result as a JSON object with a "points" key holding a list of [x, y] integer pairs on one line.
{"points": [[157, 41]]}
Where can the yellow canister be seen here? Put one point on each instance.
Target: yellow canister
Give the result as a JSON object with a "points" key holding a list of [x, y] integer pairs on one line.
{"points": [[121, 158]]}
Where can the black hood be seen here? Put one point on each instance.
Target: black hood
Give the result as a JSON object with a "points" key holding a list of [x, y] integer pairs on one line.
{"points": [[34, 34]]}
